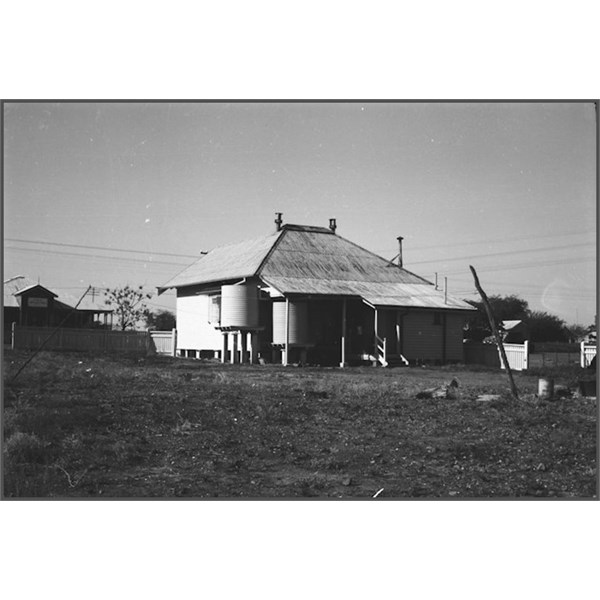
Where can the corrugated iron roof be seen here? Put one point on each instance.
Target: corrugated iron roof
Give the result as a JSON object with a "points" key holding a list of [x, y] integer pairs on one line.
{"points": [[307, 254], [16, 287], [234, 261], [91, 302], [415, 295], [35, 285], [314, 260]]}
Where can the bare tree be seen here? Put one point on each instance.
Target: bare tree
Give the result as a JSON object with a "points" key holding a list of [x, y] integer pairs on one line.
{"points": [[128, 305]]}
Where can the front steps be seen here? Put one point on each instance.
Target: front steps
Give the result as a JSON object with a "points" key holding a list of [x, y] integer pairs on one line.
{"points": [[396, 360]]}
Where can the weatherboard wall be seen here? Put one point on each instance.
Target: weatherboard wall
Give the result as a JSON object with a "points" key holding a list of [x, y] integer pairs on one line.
{"points": [[425, 336], [194, 332]]}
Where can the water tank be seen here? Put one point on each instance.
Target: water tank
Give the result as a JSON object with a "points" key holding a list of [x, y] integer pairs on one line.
{"points": [[298, 323], [239, 306]]}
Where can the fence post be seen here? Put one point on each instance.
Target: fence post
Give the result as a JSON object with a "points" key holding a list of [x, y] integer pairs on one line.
{"points": [[582, 354], [526, 355], [174, 342], [12, 336]]}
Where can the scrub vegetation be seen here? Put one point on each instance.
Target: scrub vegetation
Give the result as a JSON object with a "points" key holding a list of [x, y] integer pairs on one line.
{"points": [[77, 425]]}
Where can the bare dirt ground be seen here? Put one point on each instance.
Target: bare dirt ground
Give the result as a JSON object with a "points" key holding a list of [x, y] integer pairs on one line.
{"points": [[113, 426]]}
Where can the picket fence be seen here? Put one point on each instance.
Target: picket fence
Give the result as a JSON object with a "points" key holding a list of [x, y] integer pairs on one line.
{"points": [[520, 358], [164, 342], [587, 353], [93, 340], [517, 356]]}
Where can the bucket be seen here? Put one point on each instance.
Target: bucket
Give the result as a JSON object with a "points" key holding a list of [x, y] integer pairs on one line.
{"points": [[587, 388], [545, 388]]}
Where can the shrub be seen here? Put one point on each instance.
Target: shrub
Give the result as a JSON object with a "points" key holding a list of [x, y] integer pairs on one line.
{"points": [[24, 448]]}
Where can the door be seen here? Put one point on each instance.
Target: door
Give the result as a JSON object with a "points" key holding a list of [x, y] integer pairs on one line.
{"points": [[389, 329]]}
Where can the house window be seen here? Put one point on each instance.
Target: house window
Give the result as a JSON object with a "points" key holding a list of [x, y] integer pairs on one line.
{"points": [[214, 310], [437, 318]]}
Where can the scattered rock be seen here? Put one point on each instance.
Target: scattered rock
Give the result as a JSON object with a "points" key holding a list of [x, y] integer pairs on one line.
{"points": [[562, 391], [587, 388], [347, 481], [315, 394], [447, 390], [487, 397]]}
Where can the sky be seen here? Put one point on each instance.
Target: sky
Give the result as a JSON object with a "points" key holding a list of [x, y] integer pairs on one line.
{"points": [[108, 194]]}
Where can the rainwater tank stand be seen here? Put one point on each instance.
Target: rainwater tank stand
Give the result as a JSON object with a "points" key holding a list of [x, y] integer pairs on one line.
{"points": [[285, 359], [244, 345]]}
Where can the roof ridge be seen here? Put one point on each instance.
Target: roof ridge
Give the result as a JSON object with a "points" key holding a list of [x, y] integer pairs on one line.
{"points": [[240, 243], [268, 255], [310, 228]]}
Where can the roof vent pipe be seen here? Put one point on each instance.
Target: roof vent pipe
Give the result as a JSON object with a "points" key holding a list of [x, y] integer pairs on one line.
{"points": [[278, 221], [399, 238], [332, 225]]}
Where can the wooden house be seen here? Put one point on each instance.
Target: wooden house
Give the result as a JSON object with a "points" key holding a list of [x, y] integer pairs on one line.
{"points": [[305, 294], [28, 303]]}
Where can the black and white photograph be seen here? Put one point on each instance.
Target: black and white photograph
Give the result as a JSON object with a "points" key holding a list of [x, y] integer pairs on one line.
{"points": [[299, 300], [365, 300]]}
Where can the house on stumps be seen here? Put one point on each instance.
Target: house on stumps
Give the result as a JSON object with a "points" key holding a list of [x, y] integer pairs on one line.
{"points": [[304, 294]]}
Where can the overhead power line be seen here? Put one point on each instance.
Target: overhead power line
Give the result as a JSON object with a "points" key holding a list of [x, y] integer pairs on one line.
{"points": [[508, 253], [505, 239], [105, 248], [529, 265], [83, 255], [487, 241]]}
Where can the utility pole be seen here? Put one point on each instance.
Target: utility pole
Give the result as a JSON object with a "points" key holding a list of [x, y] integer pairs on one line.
{"points": [[51, 334], [490, 315]]}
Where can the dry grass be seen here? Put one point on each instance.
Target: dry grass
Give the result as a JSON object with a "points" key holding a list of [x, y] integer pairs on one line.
{"points": [[85, 426]]}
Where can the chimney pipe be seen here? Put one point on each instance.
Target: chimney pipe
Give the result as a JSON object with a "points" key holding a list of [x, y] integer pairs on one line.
{"points": [[400, 238], [332, 225], [278, 221]]}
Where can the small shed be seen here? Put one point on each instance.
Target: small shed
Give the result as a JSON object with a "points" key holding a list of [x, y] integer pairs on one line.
{"points": [[514, 331]]}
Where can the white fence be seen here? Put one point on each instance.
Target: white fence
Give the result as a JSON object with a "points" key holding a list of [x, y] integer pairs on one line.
{"points": [[517, 355], [587, 353], [93, 340], [89, 340], [165, 342]]}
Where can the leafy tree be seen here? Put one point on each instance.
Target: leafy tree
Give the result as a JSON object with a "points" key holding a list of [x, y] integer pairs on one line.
{"points": [[544, 327], [504, 308], [128, 305], [576, 332], [163, 320]]}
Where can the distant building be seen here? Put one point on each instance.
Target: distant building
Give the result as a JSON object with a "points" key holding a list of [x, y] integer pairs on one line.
{"points": [[589, 338], [29, 303], [305, 294], [511, 332], [514, 331]]}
